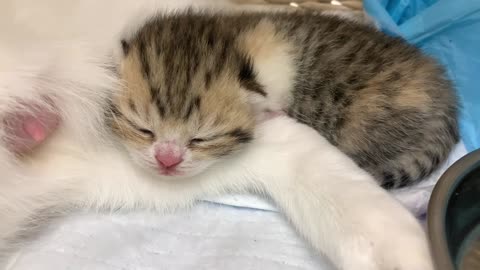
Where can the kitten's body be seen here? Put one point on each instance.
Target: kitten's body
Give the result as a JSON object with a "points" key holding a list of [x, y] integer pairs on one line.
{"points": [[378, 99], [328, 199]]}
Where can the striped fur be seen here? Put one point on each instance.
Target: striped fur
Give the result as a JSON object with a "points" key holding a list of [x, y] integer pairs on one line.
{"points": [[379, 100]]}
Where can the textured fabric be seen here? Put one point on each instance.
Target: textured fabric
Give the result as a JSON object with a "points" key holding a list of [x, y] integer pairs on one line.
{"points": [[206, 238]]}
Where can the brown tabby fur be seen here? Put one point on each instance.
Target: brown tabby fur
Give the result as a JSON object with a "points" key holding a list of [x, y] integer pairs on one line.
{"points": [[381, 101]]}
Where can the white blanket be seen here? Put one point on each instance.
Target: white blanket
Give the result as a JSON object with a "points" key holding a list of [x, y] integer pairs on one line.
{"points": [[233, 232], [207, 237]]}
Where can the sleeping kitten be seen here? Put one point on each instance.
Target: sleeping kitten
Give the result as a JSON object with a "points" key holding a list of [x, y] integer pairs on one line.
{"points": [[327, 198], [194, 83]]}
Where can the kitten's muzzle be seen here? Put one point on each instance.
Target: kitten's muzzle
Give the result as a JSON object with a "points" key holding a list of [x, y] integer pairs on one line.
{"points": [[168, 155]]}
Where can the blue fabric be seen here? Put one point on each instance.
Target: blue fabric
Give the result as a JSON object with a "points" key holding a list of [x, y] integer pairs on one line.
{"points": [[449, 30]]}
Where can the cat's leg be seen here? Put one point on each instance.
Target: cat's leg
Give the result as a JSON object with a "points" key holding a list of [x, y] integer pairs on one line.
{"points": [[334, 204]]}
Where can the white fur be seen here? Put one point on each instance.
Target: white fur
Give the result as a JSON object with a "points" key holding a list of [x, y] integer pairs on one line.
{"points": [[275, 69], [335, 205]]}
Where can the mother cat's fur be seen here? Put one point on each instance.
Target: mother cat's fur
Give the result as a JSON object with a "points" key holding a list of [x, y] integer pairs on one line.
{"points": [[80, 166]]}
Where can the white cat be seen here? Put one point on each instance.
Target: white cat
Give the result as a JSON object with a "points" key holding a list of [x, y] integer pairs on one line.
{"points": [[332, 203]]}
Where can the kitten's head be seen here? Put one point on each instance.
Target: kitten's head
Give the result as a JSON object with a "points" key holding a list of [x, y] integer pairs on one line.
{"points": [[185, 103]]}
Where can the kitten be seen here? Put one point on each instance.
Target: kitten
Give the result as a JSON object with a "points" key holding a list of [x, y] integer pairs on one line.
{"points": [[327, 198], [194, 83]]}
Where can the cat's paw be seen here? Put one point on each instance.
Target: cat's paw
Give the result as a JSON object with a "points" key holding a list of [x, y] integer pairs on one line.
{"points": [[385, 243]]}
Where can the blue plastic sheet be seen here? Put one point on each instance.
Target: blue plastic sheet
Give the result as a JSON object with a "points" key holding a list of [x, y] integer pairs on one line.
{"points": [[448, 30]]}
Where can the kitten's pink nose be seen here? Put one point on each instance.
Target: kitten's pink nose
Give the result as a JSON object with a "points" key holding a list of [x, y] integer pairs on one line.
{"points": [[168, 160], [168, 155]]}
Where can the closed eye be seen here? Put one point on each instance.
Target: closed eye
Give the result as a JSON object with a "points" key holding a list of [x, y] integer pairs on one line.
{"points": [[146, 132], [195, 141], [241, 136], [119, 116]]}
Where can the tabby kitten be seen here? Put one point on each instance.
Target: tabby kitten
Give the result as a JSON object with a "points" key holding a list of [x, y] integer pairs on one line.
{"points": [[196, 82]]}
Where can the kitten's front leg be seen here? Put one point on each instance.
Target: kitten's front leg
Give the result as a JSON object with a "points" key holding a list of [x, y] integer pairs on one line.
{"points": [[334, 204]]}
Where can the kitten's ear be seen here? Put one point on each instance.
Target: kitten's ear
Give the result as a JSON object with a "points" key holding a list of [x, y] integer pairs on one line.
{"points": [[125, 47], [255, 93], [248, 78]]}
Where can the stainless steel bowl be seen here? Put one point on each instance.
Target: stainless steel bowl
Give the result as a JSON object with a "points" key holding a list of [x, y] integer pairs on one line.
{"points": [[454, 216]]}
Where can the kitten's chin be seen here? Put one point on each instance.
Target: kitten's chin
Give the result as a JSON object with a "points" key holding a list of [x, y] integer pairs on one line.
{"points": [[177, 175], [180, 174]]}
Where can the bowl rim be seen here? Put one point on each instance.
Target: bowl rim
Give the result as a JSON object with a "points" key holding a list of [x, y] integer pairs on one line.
{"points": [[437, 207]]}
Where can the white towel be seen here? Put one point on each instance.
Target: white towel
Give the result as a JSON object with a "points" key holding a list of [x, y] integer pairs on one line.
{"points": [[207, 237]]}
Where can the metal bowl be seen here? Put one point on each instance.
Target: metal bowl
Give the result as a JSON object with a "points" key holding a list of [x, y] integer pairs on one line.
{"points": [[454, 216]]}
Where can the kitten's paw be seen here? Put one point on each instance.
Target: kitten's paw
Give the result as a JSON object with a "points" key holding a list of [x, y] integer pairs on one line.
{"points": [[387, 243], [26, 128]]}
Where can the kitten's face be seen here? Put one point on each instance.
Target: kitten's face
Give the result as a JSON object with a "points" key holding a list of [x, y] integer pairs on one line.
{"points": [[175, 120]]}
